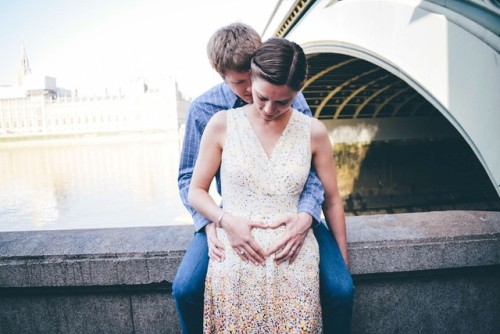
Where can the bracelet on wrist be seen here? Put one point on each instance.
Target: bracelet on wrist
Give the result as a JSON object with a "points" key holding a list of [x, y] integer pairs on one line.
{"points": [[218, 222]]}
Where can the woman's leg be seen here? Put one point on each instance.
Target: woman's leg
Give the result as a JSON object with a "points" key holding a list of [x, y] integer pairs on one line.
{"points": [[189, 285], [336, 286]]}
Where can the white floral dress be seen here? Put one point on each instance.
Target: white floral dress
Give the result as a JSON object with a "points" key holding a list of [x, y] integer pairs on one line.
{"points": [[241, 297]]}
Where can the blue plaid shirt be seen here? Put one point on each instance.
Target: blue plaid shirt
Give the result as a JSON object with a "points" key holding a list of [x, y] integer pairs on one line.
{"points": [[221, 97]]}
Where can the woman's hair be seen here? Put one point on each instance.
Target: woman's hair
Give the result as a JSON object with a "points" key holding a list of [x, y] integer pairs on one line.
{"points": [[280, 62], [232, 48]]}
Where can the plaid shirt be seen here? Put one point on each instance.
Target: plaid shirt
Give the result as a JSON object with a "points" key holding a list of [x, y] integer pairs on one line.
{"points": [[220, 97]]}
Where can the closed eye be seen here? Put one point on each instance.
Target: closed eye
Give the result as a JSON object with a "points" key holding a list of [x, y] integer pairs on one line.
{"points": [[281, 103], [261, 97]]}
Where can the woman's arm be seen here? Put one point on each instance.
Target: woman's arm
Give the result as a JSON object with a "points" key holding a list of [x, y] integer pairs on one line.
{"points": [[324, 163], [238, 229]]}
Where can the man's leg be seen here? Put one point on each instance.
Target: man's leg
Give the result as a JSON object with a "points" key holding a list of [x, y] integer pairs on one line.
{"points": [[189, 285], [336, 287]]}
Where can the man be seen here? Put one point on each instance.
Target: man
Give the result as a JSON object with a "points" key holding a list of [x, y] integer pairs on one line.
{"points": [[230, 50]]}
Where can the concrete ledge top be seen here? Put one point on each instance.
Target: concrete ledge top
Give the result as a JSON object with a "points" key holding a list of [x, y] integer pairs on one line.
{"points": [[423, 241], [103, 242], [423, 227], [377, 244], [375, 230]]}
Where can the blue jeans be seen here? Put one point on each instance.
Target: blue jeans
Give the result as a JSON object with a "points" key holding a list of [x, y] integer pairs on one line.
{"points": [[336, 286]]}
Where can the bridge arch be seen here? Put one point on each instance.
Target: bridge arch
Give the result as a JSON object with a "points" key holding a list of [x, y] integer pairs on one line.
{"points": [[449, 58]]}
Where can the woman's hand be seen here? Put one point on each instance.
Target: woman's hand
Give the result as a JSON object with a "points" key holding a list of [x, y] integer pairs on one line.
{"points": [[238, 231], [296, 228]]}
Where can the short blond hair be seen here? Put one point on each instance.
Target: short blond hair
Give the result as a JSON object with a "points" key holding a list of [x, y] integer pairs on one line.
{"points": [[232, 48]]}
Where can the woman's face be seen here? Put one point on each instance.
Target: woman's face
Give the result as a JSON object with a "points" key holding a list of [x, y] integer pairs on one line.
{"points": [[272, 101]]}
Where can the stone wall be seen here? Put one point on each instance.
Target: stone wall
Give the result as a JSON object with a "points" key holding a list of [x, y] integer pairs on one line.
{"points": [[436, 272]]}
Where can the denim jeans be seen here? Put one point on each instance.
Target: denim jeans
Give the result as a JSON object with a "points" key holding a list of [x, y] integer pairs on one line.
{"points": [[336, 286]]}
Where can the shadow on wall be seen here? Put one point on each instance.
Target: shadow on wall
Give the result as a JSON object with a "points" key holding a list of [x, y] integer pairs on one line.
{"points": [[412, 176]]}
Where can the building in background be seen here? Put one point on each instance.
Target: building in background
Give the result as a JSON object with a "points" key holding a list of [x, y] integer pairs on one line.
{"points": [[36, 106]]}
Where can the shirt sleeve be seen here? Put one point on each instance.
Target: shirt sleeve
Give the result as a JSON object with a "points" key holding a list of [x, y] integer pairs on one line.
{"points": [[196, 121], [311, 198]]}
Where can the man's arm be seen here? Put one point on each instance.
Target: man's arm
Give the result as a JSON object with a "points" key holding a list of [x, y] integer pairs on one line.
{"points": [[311, 198], [196, 121]]}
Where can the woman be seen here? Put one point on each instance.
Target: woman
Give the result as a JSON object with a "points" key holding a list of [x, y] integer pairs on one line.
{"points": [[264, 151]]}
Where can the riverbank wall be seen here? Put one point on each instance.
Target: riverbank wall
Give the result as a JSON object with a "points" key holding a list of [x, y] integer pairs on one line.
{"points": [[434, 272]]}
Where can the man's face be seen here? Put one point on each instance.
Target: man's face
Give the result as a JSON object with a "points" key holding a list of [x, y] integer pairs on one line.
{"points": [[240, 83]]}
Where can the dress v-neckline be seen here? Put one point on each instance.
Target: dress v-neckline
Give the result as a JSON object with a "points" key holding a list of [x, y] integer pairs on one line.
{"points": [[259, 142]]}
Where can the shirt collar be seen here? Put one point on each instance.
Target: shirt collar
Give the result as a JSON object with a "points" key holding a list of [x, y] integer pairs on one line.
{"points": [[238, 102]]}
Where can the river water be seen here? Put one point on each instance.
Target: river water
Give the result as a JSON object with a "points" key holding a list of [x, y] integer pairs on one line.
{"points": [[129, 181], [92, 182]]}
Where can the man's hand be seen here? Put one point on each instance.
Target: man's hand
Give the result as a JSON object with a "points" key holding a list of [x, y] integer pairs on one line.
{"points": [[238, 231], [296, 228], [215, 247]]}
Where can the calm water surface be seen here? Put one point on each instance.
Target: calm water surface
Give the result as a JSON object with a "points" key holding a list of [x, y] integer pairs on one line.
{"points": [[104, 182]]}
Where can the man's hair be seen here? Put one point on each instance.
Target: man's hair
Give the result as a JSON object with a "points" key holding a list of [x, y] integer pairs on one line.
{"points": [[232, 48], [280, 62]]}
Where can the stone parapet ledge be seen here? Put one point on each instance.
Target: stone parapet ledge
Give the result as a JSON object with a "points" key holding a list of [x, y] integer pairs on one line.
{"points": [[434, 272], [94, 257], [423, 241], [136, 256]]}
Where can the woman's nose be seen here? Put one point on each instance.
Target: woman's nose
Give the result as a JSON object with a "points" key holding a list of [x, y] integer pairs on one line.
{"points": [[268, 108]]}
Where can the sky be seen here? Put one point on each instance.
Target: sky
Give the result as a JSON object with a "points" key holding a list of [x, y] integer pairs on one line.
{"points": [[93, 44]]}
